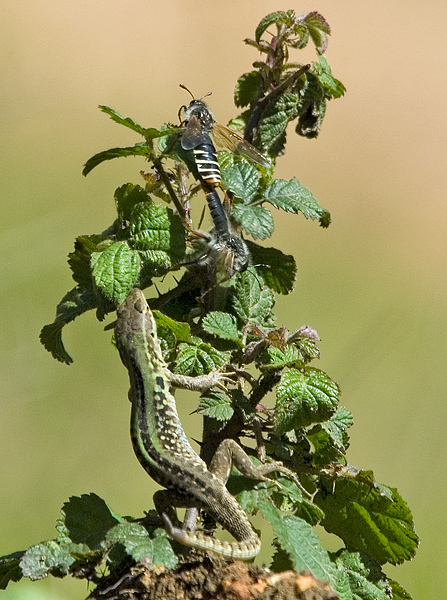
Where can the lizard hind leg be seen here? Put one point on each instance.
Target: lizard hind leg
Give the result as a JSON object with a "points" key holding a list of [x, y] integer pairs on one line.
{"points": [[229, 454], [165, 500], [220, 504]]}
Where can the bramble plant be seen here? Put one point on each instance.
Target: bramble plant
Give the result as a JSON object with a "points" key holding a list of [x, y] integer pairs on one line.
{"points": [[215, 318]]}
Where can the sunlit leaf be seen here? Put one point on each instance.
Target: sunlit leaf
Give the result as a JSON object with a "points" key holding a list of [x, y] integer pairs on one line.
{"points": [[247, 88], [278, 17], [256, 220], [303, 545], [304, 397], [291, 196], [139, 149], [223, 325], [199, 358], [74, 303], [216, 405], [115, 271], [139, 545], [366, 578], [242, 180], [368, 521]]}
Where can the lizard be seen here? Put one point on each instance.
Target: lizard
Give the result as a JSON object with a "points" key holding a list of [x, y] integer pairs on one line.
{"points": [[163, 449]]}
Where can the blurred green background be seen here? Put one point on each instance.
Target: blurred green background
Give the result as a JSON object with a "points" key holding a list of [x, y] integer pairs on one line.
{"points": [[373, 285]]}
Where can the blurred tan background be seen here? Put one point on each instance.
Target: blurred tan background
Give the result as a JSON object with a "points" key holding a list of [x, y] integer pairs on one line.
{"points": [[373, 285]]}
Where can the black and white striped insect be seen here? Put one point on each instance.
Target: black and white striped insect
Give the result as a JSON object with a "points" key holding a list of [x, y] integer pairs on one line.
{"points": [[200, 128]]}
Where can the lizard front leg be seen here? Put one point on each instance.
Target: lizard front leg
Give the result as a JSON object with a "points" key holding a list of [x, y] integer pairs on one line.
{"points": [[200, 383]]}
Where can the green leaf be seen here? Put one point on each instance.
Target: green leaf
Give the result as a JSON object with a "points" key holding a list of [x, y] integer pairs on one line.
{"points": [[253, 303], [181, 331], [337, 425], [161, 552], [364, 476], [139, 149], [308, 348], [333, 88], [256, 220], [398, 592], [226, 160], [10, 568], [164, 131], [304, 397], [281, 560], [168, 341], [366, 579], [278, 17], [303, 545], [223, 325], [158, 235], [199, 359], [216, 405], [46, 558], [368, 521], [270, 136], [127, 197], [278, 359], [319, 30], [115, 271], [308, 511], [291, 196], [127, 121], [79, 260], [311, 108], [325, 451], [240, 122], [242, 180], [139, 545], [278, 270], [297, 353], [87, 519], [247, 88], [302, 35], [74, 303], [250, 494], [288, 495]]}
